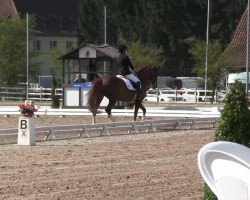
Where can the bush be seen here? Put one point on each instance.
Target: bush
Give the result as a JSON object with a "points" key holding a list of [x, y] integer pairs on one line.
{"points": [[208, 194], [234, 123], [55, 98], [55, 101]]}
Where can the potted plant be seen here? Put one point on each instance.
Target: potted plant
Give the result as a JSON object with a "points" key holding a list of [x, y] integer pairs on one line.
{"points": [[27, 110]]}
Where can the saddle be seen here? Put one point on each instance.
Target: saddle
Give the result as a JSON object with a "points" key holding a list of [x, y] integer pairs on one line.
{"points": [[130, 85]]}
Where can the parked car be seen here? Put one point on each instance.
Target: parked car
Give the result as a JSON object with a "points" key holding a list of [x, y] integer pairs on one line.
{"points": [[164, 95], [151, 95], [169, 95]]}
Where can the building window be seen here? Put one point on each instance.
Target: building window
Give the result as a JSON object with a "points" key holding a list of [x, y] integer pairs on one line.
{"points": [[52, 45], [69, 45], [37, 45]]}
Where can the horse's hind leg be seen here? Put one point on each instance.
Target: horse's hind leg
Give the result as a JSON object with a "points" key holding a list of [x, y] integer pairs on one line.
{"points": [[109, 108], [143, 110], [136, 111]]}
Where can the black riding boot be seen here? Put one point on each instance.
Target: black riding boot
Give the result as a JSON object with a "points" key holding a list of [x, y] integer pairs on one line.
{"points": [[138, 90]]}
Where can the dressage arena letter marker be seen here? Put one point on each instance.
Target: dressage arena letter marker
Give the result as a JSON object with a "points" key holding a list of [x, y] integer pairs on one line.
{"points": [[23, 124], [26, 131], [23, 133]]}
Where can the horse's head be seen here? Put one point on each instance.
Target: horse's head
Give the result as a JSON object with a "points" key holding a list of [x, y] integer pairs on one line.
{"points": [[148, 76]]}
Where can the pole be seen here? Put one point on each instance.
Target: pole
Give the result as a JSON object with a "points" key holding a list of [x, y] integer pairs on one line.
{"points": [[247, 51], [105, 27], [207, 38], [105, 37], [27, 58]]}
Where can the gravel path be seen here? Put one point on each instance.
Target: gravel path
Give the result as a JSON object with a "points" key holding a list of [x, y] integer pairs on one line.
{"points": [[142, 166]]}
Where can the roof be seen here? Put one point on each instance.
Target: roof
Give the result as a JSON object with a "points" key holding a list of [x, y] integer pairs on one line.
{"points": [[103, 51], [108, 50], [54, 17], [235, 54], [7, 8]]}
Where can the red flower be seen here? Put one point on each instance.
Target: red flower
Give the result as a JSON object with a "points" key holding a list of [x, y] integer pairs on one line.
{"points": [[27, 108]]}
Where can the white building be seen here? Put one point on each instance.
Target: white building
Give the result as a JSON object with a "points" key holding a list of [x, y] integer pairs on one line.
{"points": [[56, 26], [242, 77]]}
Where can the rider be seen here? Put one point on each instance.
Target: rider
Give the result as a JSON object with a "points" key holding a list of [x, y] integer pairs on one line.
{"points": [[128, 69]]}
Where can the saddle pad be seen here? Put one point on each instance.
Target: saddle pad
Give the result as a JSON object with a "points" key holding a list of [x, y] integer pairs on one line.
{"points": [[127, 81]]}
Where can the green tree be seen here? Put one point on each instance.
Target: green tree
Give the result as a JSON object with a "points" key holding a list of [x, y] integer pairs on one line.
{"points": [[225, 16], [13, 51], [198, 51], [161, 24], [56, 65], [143, 55], [90, 21]]}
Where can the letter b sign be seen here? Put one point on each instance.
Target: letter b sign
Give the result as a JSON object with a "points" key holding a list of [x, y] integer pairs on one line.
{"points": [[23, 124]]}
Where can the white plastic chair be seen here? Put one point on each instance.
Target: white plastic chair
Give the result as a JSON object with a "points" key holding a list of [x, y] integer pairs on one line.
{"points": [[225, 167]]}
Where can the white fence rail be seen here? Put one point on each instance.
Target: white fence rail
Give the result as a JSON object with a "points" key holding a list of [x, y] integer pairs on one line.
{"points": [[136, 127], [205, 112], [41, 94], [183, 95]]}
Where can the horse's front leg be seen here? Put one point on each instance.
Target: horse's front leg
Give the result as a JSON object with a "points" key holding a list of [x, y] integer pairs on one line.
{"points": [[143, 110], [94, 119]]}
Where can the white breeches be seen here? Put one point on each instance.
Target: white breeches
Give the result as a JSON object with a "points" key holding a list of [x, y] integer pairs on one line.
{"points": [[133, 78]]}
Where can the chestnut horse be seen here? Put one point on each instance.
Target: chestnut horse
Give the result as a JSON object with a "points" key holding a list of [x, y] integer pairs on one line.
{"points": [[115, 89]]}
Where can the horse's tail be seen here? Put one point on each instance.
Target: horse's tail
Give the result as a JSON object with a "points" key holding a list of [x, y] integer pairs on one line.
{"points": [[94, 96]]}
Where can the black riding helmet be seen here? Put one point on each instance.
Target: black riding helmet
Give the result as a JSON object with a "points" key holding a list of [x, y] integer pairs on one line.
{"points": [[122, 48]]}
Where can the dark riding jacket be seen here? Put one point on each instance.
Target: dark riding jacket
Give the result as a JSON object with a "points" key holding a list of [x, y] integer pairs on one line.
{"points": [[124, 64]]}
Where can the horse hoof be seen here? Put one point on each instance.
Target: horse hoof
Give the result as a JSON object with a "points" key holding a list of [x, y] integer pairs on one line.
{"points": [[111, 118]]}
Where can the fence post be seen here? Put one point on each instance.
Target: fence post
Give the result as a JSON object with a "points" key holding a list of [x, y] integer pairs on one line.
{"points": [[158, 93], [175, 94], [41, 91], [196, 100]]}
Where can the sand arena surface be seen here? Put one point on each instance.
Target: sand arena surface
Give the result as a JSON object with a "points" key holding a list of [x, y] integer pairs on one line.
{"points": [[142, 166]]}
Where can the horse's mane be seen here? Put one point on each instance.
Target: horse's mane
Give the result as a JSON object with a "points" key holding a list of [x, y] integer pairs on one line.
{"points": [[146, 69], [143, 69]]}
